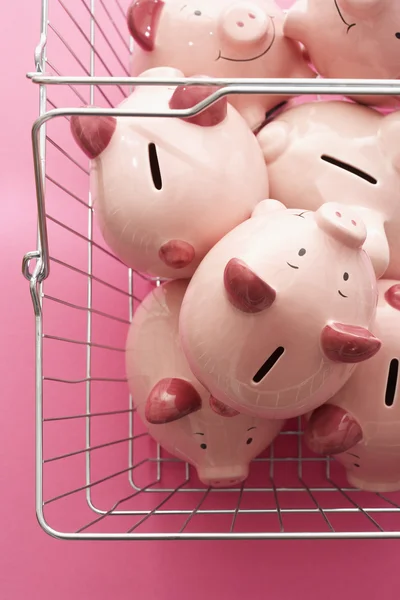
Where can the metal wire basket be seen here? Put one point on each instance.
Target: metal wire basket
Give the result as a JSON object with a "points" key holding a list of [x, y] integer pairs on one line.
{"points": [[98, 474]]}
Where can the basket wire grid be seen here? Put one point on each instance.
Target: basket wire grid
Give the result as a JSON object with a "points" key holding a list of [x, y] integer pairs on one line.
{"points": [[98, 473]]}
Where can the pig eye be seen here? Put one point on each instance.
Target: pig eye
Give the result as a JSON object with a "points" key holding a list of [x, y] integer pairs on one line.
{"points": [[346, 276], [197, 13], [250, 439], [203, 446], [398, 35], [155, 166], [302, 251]]}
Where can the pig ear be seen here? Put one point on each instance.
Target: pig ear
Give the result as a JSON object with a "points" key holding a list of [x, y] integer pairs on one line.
{"points": [[296, 25], [222, 409], [360, 8], [389, 138], [332, 430], [274, 139], [92, 134], [142, 18], [267, 207], [162, 73], [348, 343], [171, 400], [376, 244], [392, 296], [188, 96], [246, 290]]}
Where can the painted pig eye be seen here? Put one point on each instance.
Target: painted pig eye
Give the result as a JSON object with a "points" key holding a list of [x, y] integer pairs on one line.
{"points": [[398, 35], [302, 251], [249, 441], [197, 13], [346, 276], [203, 446]]}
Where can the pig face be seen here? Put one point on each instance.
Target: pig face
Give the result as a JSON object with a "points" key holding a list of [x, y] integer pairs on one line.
{"points": [[276, 316], [224, 38], [166, 190], [361, 424], [350, 39], [178, 411], [323, 151]]}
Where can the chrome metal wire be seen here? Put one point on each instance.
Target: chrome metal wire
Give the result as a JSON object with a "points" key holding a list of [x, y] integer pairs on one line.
{"points": [[92, 453]]}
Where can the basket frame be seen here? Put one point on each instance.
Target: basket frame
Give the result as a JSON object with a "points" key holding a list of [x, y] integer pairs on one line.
{"points": [[36, 269]]}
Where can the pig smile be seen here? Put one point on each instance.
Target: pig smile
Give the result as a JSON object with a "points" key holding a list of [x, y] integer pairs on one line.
{"points": [[292, 266], [254, 57], [340, 294], [349, 26]]}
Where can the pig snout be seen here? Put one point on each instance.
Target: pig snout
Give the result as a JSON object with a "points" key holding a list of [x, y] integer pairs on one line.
{"points": [[221, 477], [244, 23], [342, 223]]}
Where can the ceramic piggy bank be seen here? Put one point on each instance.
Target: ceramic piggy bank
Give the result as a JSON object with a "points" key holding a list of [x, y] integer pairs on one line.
{"points": [[361, 424], [326, 151], [350, 39], [178, 411], [220, 38], [277, 315], [166, 190]]}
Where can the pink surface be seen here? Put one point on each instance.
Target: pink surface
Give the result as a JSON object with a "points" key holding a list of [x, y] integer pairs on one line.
{"points": [[37, 567]]}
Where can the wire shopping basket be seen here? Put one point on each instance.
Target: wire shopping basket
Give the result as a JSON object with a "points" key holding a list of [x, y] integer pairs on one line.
{"points": [[98, 474]]}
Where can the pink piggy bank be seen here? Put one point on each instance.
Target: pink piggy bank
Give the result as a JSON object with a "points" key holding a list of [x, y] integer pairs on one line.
{"points": [[178, 411], [277, 315], [324, 151], [220, 38], [166, 190], [361, 424], [351, 39]]}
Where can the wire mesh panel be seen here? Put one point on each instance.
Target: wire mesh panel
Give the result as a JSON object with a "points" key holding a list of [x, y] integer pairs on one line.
{"points": [[99, 474]]}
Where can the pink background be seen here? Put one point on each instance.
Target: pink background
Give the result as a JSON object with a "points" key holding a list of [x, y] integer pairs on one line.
{"points": [[33, 565]]}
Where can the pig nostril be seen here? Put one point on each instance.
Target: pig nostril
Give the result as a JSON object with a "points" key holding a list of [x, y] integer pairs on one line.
{"points": [[338, 214], [240, 24], [252, 16], [354, 223]]}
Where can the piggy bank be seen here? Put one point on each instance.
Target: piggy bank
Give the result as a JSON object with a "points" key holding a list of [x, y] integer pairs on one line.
{"points": [[351, 39], [167, 189], [361, 424], [220, 38], [178, 411], [276, 317], [324, 151]]}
